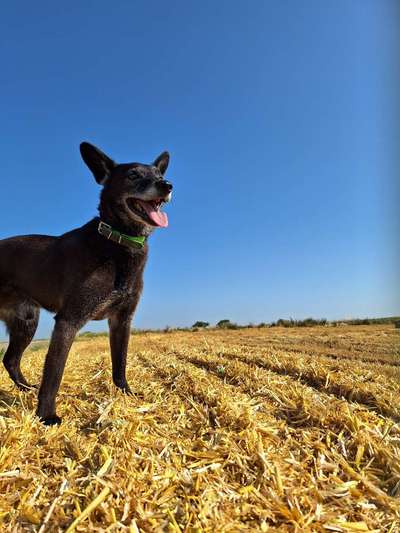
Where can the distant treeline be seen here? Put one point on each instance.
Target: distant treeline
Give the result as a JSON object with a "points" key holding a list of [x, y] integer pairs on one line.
{"points": [[307, 322], [281, 322]]}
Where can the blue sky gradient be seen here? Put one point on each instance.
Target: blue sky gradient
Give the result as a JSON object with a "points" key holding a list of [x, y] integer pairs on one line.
{"points": [[282, 119]]}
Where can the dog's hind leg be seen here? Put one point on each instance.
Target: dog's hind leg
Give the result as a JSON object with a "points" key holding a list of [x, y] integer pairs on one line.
{"points": [[21, 324]]}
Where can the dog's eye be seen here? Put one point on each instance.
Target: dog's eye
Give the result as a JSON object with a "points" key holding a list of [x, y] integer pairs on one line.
{"points": [[132, 176]]}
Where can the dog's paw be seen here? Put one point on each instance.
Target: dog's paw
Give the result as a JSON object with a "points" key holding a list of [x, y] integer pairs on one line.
{"points": [[124, 388], [51, 420]]}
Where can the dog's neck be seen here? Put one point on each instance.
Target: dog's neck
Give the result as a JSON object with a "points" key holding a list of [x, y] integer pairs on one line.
{"points": [[128, 227]]}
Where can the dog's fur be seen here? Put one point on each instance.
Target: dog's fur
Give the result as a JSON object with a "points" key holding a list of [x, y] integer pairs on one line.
{"points": [[80, 275]]}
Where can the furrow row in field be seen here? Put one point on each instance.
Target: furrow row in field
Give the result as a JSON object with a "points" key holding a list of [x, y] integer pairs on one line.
{"points": [[392, 361], [375, 370], [356, 359], [336, 415], [366, 386], [233, 407], [303, 411], [302, 407], [386, 349], [350, 384], [298, 448], [247, 445]]}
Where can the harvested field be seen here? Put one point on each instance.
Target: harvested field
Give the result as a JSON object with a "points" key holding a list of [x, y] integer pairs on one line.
{"points": [[229, 430]]}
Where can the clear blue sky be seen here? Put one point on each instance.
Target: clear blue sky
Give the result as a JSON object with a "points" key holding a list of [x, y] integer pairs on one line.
{"points": [[282, 120]]}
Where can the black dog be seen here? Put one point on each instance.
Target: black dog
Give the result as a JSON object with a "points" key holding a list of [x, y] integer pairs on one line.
{"points": [[90, 273]]}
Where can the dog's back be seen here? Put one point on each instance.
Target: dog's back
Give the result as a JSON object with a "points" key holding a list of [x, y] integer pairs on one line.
{"points": [[21, 262]]}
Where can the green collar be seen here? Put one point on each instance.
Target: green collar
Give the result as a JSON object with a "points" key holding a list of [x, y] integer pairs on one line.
{"points": [[113, 235]]}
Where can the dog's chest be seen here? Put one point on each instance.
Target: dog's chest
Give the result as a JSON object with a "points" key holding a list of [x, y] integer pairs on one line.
{"points": [[125, 292]]}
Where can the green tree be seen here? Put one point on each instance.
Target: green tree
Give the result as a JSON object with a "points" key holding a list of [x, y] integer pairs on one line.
{"points": [[200, 324], [223, 323], [227, 324]]}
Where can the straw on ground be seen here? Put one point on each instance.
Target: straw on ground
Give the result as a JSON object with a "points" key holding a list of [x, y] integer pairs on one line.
{"points": [[229, 430]]}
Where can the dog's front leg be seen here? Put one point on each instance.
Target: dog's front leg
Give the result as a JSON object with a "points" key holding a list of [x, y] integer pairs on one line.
{"points": [[120, 330], [60, 344]]}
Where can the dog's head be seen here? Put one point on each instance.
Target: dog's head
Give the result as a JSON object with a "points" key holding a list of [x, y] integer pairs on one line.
{"points": [[133, 191]]}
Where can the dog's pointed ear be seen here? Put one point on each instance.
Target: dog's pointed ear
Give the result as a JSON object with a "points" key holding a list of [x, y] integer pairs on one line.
{"points": [[162, 162], [100, 164]]}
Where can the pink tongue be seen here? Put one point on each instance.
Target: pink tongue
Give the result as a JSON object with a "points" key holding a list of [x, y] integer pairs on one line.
{"points": [[158, 217]]}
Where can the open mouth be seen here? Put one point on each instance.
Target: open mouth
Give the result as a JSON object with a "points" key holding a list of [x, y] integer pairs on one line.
{"points": [[150, 211]]}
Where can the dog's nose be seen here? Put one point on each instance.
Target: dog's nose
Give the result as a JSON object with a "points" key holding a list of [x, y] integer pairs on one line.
{"points": [[168, 186]]}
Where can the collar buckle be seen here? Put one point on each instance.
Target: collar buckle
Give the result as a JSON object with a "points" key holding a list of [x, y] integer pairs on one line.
{"points": [[105, 229]]}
